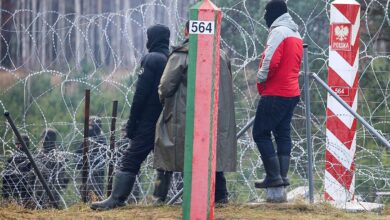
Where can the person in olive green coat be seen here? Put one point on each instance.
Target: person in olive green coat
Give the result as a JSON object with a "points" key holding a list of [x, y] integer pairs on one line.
{"points": [[170, 129]]}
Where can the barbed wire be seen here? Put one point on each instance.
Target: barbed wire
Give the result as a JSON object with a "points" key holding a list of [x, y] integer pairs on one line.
{"points": [[48, 93]]}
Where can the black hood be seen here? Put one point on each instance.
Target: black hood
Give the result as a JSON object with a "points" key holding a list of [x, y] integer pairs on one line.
{"points": [[25, 139], [49, 138], [95, 126], [273, 10], [158, 38]]}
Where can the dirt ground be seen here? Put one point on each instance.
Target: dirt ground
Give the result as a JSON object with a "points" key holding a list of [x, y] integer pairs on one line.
{"points": [[233, 211]]}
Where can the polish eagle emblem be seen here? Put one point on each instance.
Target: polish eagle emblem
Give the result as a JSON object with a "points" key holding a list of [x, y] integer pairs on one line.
{"points": [[341, 32]]}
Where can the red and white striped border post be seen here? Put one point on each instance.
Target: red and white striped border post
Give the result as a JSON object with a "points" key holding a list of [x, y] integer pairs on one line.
{"points": [[343, 79], [202, 111]]}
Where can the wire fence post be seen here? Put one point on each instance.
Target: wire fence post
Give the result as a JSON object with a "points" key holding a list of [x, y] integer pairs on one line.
{"points": [[31, 159], [246, 127], [370, 128], [112, 146], [308, 124], [85, 169]]}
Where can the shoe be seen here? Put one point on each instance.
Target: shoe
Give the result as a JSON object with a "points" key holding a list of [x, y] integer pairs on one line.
{"points": [[122, 185], [221, 202], [221, 194], [284, 162], [161, 187], [272, 177], [276, 194]]}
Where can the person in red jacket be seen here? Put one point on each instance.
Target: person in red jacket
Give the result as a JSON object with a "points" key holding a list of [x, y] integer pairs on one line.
{"points": [[277, 83]]}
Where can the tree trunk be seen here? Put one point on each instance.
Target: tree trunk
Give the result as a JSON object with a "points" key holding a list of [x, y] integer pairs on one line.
{"points": [[118, 50], [77, 8], [100, 34], [50, 34], [93, 32], [24, 33], [128, 54], [18, 18], [1, 16], [150, 11], [34, 39], [43, 32], [172, 20], [61, 48]]}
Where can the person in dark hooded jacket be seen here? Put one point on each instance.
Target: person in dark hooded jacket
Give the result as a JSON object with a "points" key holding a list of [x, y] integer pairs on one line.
{"points": [[51, 163], [15, 175], [144, 112]]}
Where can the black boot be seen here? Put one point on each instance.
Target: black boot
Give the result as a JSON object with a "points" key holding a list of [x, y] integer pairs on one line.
{"points": [[284, 162], [121, 188], [221, 193], [161, 187], [272, 170]]}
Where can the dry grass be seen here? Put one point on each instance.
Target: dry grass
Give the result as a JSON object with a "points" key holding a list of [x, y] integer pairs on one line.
{"points": [[298, 210]]}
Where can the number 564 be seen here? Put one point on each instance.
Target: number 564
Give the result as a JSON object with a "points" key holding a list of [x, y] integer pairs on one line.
{"points": [[201, 27]]}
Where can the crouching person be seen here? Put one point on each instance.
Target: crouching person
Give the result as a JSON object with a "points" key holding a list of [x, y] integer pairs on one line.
{"points": [[279, 89], [52, 163], [170, 132], [144, 112], [16, 185]]}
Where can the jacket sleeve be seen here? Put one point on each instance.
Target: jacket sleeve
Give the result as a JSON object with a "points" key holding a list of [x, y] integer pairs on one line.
{"points": [[272, 55], [172, 75], [143, 90]]}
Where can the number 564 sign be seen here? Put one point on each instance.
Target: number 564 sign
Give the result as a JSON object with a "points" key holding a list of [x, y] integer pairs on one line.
{"points": [[201, 27]]}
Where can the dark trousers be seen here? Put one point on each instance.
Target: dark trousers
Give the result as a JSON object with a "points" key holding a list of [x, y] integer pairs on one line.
{"points": [[140, 147], [220, 187], [274, 114]]}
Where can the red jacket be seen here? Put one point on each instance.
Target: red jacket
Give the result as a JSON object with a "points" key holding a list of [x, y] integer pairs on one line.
{"points": [[280, 62]]}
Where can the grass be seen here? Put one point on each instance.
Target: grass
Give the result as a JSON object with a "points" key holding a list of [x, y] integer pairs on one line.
{"points": [[297, 210]]}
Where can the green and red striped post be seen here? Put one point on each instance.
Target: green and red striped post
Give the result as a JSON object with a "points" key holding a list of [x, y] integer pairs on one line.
{"points": [[202, 111]]}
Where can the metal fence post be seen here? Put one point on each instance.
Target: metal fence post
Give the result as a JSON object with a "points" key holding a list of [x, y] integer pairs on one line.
{"points": [[246, 127], [112, 146], [370, 128], [308, 124], [85, 170]]}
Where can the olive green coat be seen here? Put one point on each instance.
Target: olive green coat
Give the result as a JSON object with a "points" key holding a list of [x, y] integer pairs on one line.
{"points": [[170, 129]]}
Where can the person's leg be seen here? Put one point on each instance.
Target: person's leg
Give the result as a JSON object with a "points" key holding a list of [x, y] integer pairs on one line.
{"points": [[282, 135], [221, 193], [161, 186], [265, 121], [128, 168], [263, 126], [136, 193]]}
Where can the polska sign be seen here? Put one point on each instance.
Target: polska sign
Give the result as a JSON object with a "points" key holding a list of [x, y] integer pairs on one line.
{"points": [[340, 36]]}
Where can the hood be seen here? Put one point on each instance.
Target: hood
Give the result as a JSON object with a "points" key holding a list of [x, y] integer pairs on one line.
{"points": [[158, 38], [49, 138], [181, 48], [273, 10], [94, 126], [286, 21], [25, 139]]}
